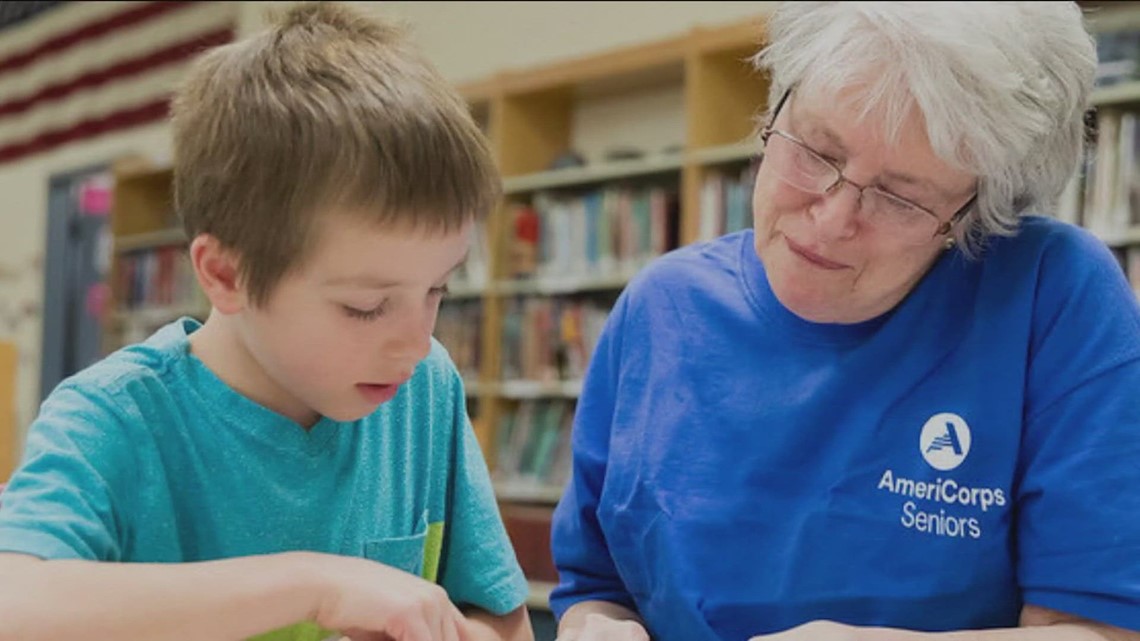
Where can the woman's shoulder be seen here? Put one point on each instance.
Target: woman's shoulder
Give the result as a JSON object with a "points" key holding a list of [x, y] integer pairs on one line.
{"points": [[1044, 235], [1058, 265], [1056, 249]]}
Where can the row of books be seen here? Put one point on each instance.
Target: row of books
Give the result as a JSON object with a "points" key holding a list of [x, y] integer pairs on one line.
{"points": [[1104, 194], [726, 202], [533, 444], [458, 327], [1118, 56], [548, 338], [475, 271], [159, 277], [1129, 258], [595, 233], [534, 450]]}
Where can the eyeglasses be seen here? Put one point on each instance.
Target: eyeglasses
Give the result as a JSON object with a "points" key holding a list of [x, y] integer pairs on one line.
{"points": [[805, 169]]}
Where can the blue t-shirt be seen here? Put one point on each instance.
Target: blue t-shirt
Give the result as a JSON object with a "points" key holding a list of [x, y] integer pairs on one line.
{"points": [[147, 456], [739, 470]]}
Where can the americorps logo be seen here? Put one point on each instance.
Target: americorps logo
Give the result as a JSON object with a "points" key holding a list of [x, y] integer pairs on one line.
{"points": [[939, 505], [945, 441]]}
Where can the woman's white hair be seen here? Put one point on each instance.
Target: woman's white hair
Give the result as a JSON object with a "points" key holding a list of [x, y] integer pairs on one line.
{"points": [[1002, 87]]}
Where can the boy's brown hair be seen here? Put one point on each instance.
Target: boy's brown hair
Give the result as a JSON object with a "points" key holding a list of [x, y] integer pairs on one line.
{"points": [[328, 110]]}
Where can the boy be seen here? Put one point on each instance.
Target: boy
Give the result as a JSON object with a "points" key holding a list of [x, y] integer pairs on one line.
{"points": [[293, 466]]}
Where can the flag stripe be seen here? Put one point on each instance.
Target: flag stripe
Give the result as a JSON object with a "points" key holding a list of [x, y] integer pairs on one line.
{"points": [[133, 67], [67, 17], [131, 17], [135, 42], [122, 119], [92, 103]]}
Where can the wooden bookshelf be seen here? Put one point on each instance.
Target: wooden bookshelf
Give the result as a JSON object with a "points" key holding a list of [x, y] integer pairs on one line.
{"points": [[527, 389], [464, 291], [150, 277], [529, 117], [538, 595], [592, 174], [155, 314], [1123, 238], [731, 153], [563, 285], [524, 492], [1119, 95], [150, 240]]}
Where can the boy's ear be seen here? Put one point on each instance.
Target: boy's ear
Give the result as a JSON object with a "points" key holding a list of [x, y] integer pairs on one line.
{"points": [[218, 274]]}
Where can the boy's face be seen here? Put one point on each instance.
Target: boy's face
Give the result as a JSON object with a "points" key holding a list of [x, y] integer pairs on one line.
{"points": [[340, 335]]}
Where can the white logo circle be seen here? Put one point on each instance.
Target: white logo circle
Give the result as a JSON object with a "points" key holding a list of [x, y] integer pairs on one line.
{"points": [[945, 441]]}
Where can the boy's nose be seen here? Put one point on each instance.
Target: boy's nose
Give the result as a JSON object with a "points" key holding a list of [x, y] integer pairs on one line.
{"points": [[412, 342]]}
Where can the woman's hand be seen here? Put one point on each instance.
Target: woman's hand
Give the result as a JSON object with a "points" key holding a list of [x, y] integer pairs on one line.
{"points": [[599, 627], [815, 631]]}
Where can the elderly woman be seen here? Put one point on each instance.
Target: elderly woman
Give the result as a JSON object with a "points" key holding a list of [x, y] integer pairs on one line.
{"points": [[903, 403]]}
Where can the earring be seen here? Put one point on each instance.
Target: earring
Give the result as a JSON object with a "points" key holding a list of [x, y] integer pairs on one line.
{"points": [[949, 243]]}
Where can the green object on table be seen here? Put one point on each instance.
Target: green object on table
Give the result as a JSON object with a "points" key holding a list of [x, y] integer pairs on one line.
{"points": [[300, 632]]}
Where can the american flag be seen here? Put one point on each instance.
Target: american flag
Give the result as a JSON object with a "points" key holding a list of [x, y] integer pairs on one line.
{"points": [[84, 69]]}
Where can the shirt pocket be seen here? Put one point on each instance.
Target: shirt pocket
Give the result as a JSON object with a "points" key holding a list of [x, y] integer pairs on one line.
{"points": [[401, 552]]}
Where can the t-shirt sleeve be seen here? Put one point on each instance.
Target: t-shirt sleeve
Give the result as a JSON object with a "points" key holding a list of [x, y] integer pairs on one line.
{"points": [[585, 568], [61, 501], [1078, 534], [478, 565]]}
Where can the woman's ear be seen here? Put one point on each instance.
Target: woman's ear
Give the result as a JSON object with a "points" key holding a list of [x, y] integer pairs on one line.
{"points": [[218, 274]]}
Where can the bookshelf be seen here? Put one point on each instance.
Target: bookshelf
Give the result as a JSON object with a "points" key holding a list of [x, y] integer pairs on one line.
{"points": [[151, 280], [592, 174], [721, 154], [1104, 195], [1120, 95], [538, 596], [532, 117], [150, 240]]}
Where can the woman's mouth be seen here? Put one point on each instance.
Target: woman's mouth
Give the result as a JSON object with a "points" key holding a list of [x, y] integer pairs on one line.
{"points": [[812, 257]]}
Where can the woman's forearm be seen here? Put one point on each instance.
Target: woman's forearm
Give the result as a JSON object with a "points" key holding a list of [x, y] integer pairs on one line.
{"points": [[575, 617]]}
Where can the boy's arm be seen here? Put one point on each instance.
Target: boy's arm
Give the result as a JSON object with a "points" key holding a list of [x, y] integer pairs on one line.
{"points": [[226, 600], [513, 626], [478, 566], [230, 599]]}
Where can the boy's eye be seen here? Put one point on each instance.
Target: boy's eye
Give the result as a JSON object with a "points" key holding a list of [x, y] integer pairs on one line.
{"points": [[366, 314], [441, 291]]}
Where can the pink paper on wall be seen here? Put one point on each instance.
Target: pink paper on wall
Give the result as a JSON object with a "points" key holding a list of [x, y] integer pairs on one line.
{"points": [[95, 199]]}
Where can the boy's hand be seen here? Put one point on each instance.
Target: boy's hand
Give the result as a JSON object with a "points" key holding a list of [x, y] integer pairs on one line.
{"points": [[599, 627], [367, 600]]}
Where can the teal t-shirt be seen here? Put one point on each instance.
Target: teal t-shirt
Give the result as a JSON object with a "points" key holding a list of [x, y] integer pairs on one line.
{"points": [[149, 457]]}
